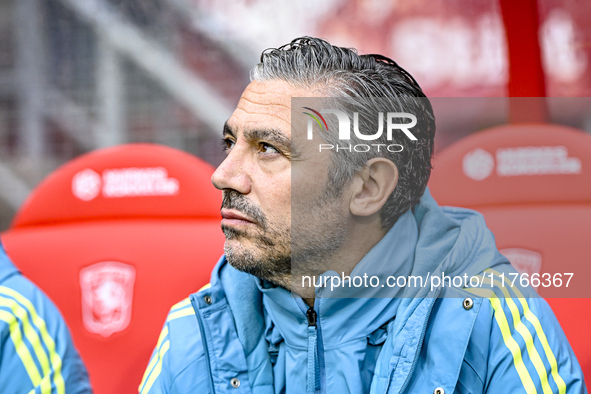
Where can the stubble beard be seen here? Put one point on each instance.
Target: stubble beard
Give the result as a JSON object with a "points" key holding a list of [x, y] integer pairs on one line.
{"points": [[269, 257], [283, 255], [318, 232]]}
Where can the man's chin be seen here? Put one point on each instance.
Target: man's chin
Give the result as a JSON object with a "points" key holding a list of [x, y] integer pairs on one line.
{"points": [[274, 270], [232, 233], [240, 249]]}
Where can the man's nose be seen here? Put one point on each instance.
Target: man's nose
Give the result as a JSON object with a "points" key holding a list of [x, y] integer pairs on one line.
{"points": [[232, 174]]}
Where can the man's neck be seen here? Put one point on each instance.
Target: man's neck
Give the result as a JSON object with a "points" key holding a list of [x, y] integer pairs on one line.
{"points": [[309, 301], [361, 238]]}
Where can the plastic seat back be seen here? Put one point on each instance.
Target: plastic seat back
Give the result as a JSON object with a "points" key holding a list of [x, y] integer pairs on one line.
{"points": [[115, 238], [532, 183]]}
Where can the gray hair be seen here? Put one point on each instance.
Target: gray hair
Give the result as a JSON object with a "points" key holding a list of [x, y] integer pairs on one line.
{"points": [[369, 84]]}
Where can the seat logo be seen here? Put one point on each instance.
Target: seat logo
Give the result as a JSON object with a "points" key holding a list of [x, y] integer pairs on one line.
{"points": [[107, 294], [478, 164], [524, 261], [124, 182], [536, 160], [86, 184]]}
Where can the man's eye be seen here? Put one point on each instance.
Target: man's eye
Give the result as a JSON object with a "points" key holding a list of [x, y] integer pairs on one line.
{"points": [[228, 144], [266, 148]]}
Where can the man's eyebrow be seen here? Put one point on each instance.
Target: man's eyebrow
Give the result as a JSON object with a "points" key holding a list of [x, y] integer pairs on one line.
{"points": [[271, 135], [228, 130]]}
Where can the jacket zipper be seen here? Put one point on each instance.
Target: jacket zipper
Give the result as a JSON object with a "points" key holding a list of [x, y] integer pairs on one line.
{"points": [[314, 328], [313, 373]]}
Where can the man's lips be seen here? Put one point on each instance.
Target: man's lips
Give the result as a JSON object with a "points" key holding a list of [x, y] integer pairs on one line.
{"points": [[231, 217]]}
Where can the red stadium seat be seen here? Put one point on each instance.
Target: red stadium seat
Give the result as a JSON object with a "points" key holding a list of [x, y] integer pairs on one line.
{"points": [[115, 238], [532, 183]]}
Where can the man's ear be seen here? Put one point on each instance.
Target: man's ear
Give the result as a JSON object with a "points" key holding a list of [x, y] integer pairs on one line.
{"points": [[372, 186]]}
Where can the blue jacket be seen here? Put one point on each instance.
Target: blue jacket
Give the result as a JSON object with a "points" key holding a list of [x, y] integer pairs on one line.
{"points": [[36, 351], [245, 336]]}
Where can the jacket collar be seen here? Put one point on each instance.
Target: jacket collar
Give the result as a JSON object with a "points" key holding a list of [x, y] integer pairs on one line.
{"points": [[453, 240], [347, 312]]}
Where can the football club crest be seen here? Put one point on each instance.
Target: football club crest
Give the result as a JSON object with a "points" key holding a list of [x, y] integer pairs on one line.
{"points": [[107, 293], [524, 261]]}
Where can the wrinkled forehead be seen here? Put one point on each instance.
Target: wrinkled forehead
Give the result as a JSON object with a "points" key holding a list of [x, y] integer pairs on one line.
{"points": [[266, 105]]}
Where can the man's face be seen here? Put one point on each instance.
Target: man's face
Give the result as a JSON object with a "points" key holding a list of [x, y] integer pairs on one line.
{"points": [[256, 178]]}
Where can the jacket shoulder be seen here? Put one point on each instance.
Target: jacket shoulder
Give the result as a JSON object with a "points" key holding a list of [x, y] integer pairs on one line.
{"points": [[178, 361], [517, 344], [38, 346]]}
